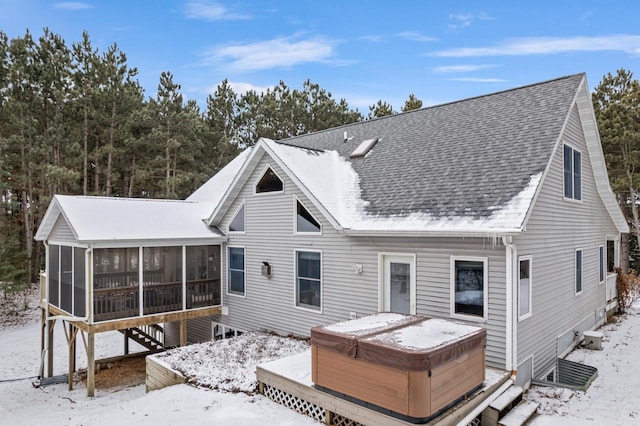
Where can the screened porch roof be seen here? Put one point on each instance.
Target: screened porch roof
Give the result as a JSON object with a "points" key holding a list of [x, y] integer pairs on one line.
{"points": [[110, 219]]}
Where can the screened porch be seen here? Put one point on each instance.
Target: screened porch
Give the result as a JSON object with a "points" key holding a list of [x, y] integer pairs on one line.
{"points": [[131, 282]]}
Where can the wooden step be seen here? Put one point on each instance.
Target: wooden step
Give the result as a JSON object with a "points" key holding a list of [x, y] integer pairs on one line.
{"points": [[520, 414], [508, 398], [501, 405]]}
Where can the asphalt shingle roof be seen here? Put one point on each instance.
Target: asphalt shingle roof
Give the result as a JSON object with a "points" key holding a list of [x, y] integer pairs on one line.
{"points": [[460, 159]]}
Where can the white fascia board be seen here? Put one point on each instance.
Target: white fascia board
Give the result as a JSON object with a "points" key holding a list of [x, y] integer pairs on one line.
{"points": [[557, 146], [156, 243], [235, 185], [332, 220], [497, 233], [259, 149], [49, 220], [596, 155]]}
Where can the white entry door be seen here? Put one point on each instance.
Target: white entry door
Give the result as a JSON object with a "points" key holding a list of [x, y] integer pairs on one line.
{"points": [[398, 284]]}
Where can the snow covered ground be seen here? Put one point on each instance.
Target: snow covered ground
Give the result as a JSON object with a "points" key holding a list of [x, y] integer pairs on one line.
{"points": [[614, 396], [22, 404], [612, 399]]}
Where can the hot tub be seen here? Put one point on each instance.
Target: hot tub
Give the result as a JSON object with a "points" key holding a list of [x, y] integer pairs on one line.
{"points": [[412, 369]]}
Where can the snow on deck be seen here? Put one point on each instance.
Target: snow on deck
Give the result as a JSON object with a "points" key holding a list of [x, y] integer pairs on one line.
{"points": [[230, 364]]}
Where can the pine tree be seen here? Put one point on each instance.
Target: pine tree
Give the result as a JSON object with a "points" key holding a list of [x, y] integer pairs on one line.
{"points": [[412, 103], [616, 101], [380, 109]]}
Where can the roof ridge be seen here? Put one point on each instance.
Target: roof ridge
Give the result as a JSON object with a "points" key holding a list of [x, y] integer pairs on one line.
{"points": [[582, 74], [104, 197]]}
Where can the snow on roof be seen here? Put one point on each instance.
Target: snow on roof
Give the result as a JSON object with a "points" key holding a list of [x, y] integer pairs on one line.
{"points": [[124, 219], [214, 189], [334, 183], [424, 335]]}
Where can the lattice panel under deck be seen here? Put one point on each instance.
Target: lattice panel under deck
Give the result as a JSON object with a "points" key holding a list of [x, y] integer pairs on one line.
{"points": [[295, 403], [304, 407]]}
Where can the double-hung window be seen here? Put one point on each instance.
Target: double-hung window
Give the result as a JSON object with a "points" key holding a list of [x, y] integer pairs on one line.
{"points": [[309, 279], [572, 173], [524, 287], [469, 292], [236, 272]]}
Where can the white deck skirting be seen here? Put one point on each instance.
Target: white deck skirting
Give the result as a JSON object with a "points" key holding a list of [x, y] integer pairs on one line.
{"points": [[288, 381]]}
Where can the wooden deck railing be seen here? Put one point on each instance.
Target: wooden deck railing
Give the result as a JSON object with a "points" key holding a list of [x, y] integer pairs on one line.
{"points": [[201, 293], [123, 302]]}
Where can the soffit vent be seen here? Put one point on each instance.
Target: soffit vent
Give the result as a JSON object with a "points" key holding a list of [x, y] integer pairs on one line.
{"points": [[364, 148]]}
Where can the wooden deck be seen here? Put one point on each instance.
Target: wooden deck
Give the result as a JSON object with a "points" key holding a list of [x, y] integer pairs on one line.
{"points": [[289, 379]]}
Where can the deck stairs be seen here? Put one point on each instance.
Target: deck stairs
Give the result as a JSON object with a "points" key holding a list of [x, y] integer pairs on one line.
{"points": [[509, 409], [149, 336]]}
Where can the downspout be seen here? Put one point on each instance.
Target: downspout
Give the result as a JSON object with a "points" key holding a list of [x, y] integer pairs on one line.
{"points": [[511, 256]]}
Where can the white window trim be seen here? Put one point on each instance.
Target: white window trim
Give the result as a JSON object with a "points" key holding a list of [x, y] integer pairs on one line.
{"points": [[530, 313], [602, 269], [255, 184], [295, 218], [575, 269], [244, 225], [228, 273], [452, 288], [295, 281], [572, 199], [381, 276]]}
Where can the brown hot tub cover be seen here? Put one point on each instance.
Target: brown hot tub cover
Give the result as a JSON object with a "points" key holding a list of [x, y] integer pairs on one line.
{"points": [[343, 337], [422, 345]]}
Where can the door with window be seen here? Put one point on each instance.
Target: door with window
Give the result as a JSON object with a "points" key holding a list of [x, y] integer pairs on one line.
{"points": [[398, 284]]}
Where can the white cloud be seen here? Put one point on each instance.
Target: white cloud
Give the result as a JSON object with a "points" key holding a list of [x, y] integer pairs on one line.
{"points": [[549, 45], [241, 87], [210, 11], [479, 80], [461, 68], [415, 36], [277, 53], [73, 5], [463, 20]]}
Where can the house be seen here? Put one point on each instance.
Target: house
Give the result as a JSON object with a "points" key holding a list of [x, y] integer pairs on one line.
{"points": [[494, 211]]}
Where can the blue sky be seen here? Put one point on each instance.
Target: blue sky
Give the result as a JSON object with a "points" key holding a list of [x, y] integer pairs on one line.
{"points": [[358, 50]]}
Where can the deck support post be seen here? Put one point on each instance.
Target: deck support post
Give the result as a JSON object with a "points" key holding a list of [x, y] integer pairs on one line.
{"points": [[126, 341], [183, 332], [328, 417], [50, 327], [71, 340], [91, 364], [43, 331]]}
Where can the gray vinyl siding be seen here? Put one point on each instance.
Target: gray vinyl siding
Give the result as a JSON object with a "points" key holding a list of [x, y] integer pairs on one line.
{"points": [[269, 303], [61, 231], [198, 330], [556, 228]]}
